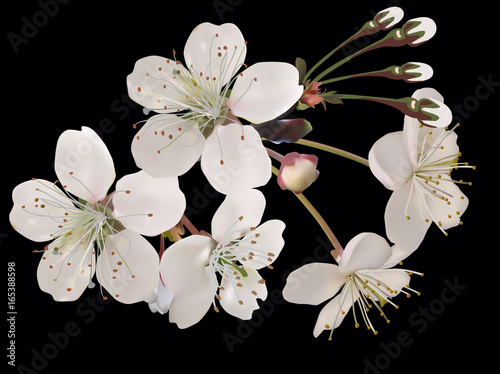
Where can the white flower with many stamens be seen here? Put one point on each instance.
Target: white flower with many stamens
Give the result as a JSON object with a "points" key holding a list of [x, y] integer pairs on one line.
{"points": [[416, 164], [203, 100], [364, 276], [92, 232], [201, 268]]}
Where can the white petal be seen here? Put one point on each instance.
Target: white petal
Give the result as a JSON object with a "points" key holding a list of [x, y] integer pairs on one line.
{"points": [[331, 314], [389, 162], [190, 304], [364, 251], [429, 93], [264, 91], [266, 242], [392, 14], [313, 283], [83, 164], [167, 146], [147, 204], [39, 208], [425, 71], [128, 267], [151, 298], [232, 296], [447, 212], [183, 260], [245, 165], [438, 149], [406, 233], [416, 139], [398, 255], [215, 51], [155, 84], [249, 205], [423, 24], [164, 298], [66, 268], [394, 279]]}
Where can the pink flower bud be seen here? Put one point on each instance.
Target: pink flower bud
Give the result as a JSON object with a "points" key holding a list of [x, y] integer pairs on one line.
{"points": [[297, 172]]}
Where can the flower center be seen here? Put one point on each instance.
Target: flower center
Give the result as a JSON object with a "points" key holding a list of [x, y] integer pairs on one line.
{"points": [[201, 96], [78, 225], [432, 174], [367, 292], [228, 258]]}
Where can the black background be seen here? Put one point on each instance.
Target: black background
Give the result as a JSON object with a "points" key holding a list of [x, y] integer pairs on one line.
{"points": [[71, 72]]}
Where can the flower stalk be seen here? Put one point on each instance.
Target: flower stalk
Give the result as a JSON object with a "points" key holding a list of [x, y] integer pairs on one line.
{"points": [[336, 151], [337, 251]]}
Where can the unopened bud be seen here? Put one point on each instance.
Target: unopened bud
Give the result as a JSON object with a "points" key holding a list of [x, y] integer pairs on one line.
{"points": [[417, 71], [419, 30], [440, 115], [387, 18], [297, 172]]}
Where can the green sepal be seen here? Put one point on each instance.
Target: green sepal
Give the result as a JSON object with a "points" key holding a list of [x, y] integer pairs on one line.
{"points": [[301, 66], [332, 97]]}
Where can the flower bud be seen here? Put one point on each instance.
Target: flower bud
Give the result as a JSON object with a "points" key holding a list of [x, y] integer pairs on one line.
{"points": [[311, 95], [418, 71], [439, 114], [387, 18], [419, 30], [297, 172]]}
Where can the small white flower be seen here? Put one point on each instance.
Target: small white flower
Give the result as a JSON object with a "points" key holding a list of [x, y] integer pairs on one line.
{"points": [[206, 96], [224, 266], [364, 278], [416, 164], [84, 222]]}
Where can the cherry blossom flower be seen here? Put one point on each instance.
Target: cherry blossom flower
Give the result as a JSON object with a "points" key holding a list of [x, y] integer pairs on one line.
{"points": [[363, 278], [92, 232], [203, 99], [199, 269], [416, 164]]}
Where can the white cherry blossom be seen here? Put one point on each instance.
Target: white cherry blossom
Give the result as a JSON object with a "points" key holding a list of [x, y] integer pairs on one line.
{"points": [[416, 164], [223, 266], [202, 99], [363, 277], [92, 232]]}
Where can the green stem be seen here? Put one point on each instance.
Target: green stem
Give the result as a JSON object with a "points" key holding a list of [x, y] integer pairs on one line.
{"points": [[390, 40], [406, 105], [386, 73], [338, 250], [337, 151], [324, 59], [359, 33]]}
